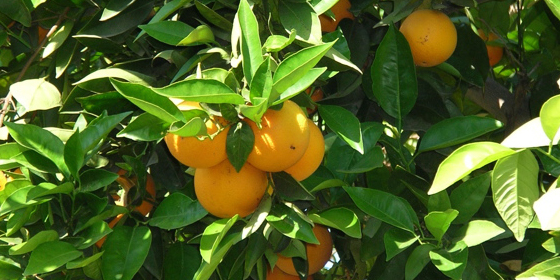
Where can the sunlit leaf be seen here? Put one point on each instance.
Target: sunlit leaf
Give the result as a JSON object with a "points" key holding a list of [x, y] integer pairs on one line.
{"points": [[515, 189]]}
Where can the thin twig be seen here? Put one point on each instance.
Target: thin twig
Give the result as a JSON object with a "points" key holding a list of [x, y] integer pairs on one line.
{"points": [[8, 99]]}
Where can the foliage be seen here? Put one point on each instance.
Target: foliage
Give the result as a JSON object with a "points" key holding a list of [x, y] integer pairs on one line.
{"points": [[429, 173]]}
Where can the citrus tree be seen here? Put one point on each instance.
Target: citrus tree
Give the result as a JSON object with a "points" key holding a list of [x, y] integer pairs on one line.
{"points": [[279, 139]]}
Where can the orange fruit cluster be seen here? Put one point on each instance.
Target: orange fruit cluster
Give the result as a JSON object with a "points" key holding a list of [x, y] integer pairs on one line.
{"points": [[431, 35], [340, 11], [286, 141]]}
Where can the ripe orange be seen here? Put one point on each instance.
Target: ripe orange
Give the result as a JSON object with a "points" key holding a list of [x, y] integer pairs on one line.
{"points": [[431, 35], [144, 208], [282, 140], [224, 192], [495, 53], [41, 33], [112, 224], [3, 181], [317, 254], [317, 95], [312, 157], [127, 183], [340, 11], [194, 152], [278, 274]]}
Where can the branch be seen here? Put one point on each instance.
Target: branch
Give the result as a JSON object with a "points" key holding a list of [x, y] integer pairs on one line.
{"points": [[8, 99], [501, 103]]}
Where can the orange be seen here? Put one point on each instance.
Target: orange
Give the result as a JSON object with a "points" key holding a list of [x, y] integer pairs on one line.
{"points": [[144, 208], [41, 33], [127, 183], [194, 152], [312, 157], [340, 11], [495, 53], [431, 35], [316, 96], [224, 192], [3, 181], [278, 274], [112, 224], [317, 254], [282, 140]]}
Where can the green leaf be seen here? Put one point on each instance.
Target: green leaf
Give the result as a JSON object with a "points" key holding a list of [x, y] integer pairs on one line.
{"points": [[206, 269], [384, 206], [126, 248], [251, 51], [371, 159], [256, 247], [302, 84], [213, 236], [127, 75], [214, 17], [9, 270], [148, 100], [548, 266], [115, 7], [289, 188], [464, 160], [552, 245], [417, 260], [145, 127], [239, 144], [290, 223], [300, 16], [45, 188], [41, 141], [547, 209], [169, 32], [554, 6], [518, 138], [181, 261], [393, 75], [261, 84], [477, 232], [202, 34], [515, 189], [84, 261], [438, 222], [58, 38], [176, 211], [457, 130], [94, 233], [339, 218], [7, 152], [36, 94], [33, 242], [344, 124], [452, 261], [396, 241], [201, 90], [469, 196], [16, 10], [94, 179], [127, 20], [293, 68], [165, 11], [276, 43], [49, 256], [550, 117]]}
